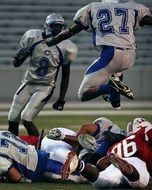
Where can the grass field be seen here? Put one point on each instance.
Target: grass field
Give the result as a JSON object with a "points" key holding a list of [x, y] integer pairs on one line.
{"points": [[73, 122]]}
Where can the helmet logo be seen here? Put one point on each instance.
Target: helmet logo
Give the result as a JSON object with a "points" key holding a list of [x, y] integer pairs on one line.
{"points": [[47, 52]]}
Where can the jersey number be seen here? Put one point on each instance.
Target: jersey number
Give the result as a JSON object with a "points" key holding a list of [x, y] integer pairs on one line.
{"points": [[125, 149], [105, 18], [43, 67]]}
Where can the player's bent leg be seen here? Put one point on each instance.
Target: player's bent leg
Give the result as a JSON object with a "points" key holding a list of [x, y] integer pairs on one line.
{"points": [[143, 173], [122, 165], [31, 128], [89, 94], [129, 171]]}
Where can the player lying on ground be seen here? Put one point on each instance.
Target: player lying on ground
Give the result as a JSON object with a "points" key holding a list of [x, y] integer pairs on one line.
{"points": [[20, 162], [127, 164], [104, 132]]}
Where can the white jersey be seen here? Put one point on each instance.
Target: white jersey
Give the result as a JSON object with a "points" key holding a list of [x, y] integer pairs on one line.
{"points": [[105, 124], [58, 149], [112, 24], [12, 149], [45, 61]]}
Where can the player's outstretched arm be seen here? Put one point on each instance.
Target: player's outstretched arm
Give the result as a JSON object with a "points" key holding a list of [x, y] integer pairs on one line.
{"points": [[76, 28]]}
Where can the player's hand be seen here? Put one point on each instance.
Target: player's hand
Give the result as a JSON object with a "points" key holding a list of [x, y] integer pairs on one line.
{"points": [[59, 105], [55, 134], [20, 57]]}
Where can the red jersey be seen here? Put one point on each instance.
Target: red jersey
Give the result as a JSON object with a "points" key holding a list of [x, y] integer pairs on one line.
{"points": [[137, 145]]}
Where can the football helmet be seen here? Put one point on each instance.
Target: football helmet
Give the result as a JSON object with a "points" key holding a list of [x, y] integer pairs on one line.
{"points": [[137, 124], [54, 24]]}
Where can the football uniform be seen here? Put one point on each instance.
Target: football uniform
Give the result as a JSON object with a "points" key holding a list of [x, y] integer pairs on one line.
{"points": [[137, 145], [31, 163], [105, 125], [58, 151], [136, 150], [112, 26], [15, 152], [40, 77]]}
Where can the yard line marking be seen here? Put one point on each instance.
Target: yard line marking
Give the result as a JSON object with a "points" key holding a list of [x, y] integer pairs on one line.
{"points": [[90, 112]]}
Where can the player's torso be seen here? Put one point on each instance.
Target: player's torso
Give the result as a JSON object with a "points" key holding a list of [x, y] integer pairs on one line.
{"points": [[114, 25], [45, 61], [133, 146]]}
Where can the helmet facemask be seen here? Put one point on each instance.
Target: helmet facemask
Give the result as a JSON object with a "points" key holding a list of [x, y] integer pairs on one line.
{"points": [[54, 24]]}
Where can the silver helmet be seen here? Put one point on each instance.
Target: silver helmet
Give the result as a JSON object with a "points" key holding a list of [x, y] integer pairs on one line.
{"points": [[54, 24]]}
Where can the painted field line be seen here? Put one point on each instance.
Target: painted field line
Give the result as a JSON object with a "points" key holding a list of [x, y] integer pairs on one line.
{"points": [[90, 112]]}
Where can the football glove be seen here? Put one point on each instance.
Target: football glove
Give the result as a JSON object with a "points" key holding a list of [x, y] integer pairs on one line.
{"points": [[59, 105], [55, 134], [20, 57], [86, 142]]}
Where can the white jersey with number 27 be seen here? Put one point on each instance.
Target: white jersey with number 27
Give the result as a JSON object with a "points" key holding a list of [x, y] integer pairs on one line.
{"points": [[112, 24]]}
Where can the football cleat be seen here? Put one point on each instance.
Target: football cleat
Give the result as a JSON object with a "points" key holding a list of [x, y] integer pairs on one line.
{"points": [[69, 165], [87, 142], [124, 90], [115, 105], [122, 165]]}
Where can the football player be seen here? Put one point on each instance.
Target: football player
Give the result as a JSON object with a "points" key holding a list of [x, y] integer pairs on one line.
{"points": [[112, 25], [104, 132], [128, 163], [40, 77], [21, 162]]}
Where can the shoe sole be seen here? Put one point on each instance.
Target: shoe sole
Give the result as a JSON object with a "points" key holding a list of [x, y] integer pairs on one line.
{"points": [[121, 164]]}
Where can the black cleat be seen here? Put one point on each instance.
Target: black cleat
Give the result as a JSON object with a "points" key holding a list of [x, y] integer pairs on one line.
{"points": [[124, 90], [115, 105]]}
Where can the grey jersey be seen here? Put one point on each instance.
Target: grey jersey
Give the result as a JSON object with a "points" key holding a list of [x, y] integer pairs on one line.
{"points": [[13, 148], [112, 24], [45, 61], [105, 124]]}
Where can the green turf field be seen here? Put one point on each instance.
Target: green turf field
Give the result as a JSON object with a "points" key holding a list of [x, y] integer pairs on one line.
{"points": [[73, 122]]}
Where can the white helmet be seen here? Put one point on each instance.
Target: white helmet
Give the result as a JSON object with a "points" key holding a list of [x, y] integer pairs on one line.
{"points": [[54, 19], [137, 124]]}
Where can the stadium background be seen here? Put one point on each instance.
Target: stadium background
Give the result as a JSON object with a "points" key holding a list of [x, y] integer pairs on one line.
{"points": [[18, 16]]}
